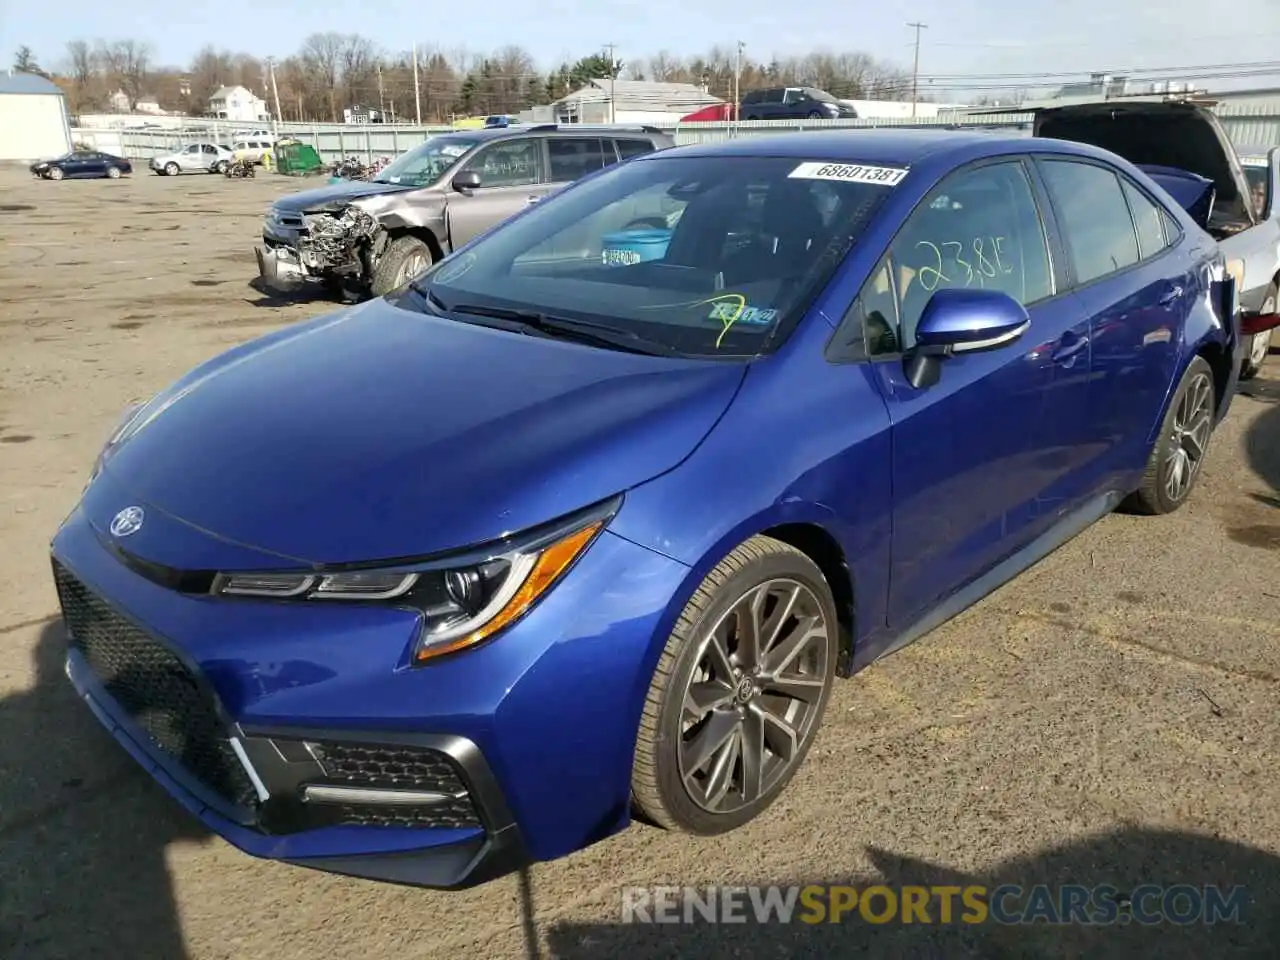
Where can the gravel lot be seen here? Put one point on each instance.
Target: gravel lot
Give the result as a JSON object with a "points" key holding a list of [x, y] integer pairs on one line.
{"points": [[1111, 716]]}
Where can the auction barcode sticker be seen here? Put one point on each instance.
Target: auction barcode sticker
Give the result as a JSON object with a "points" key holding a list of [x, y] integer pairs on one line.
{"points": [[849, 173]]}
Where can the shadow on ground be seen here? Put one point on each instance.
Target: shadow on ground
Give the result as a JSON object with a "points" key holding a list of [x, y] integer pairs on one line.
{"points": [[1262, 443], [1124, 860], [83, 831], [270, 297]]}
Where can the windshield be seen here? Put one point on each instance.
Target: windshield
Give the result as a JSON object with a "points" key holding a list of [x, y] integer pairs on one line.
{"points": [[706, 256], [821, 95], [425, 163]]}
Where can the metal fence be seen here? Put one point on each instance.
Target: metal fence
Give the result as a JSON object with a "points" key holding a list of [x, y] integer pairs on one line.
{"points": [[1248, 124]]}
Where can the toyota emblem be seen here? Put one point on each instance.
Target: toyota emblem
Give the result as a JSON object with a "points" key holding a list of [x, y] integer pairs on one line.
{"points": [[126, 522]]}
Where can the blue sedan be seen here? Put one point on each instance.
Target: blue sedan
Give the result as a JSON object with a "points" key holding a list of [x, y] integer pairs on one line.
{"points": [[82, 164], [551, 538]]}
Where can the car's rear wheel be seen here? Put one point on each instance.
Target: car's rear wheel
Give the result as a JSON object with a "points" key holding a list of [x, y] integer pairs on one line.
{"points": [[113, 173], [55, 173], [738, 693], [1259, 343], [171, 169], [403, 260], [1178, 453]]}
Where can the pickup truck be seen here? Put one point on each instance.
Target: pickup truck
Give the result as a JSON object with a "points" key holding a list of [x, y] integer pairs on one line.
{"points": [[1179, 142]]}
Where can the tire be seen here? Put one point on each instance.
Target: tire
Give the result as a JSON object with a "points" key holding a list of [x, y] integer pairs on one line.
{"points": [[221, 167], [1187, 425], [396, 266], [816, 115], [56, 173], [171, 169], [113, 173], [1259, 343], [765, 569]]}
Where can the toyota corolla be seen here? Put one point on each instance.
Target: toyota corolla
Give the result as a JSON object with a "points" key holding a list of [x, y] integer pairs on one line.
{"points": [[548, 539]]}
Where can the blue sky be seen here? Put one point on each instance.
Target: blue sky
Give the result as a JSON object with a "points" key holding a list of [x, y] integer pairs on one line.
{"points": [[963, 36]]}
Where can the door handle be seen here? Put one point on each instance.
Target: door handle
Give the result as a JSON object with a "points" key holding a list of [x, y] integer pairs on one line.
{"points": [[1170, 295], [1069, 348]]}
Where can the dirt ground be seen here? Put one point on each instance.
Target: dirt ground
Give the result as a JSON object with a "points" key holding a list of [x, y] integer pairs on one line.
{"points": [[1111, 716]]}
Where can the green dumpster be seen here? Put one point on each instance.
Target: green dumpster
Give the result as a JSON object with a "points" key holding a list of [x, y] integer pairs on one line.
{"points": [[297, 159]]}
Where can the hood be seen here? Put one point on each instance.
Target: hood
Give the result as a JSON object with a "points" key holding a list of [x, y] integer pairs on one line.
{"points": [[336, 195], [1184, 136], [382, 433]]}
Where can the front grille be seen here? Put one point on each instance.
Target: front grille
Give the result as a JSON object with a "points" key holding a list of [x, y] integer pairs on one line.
{"points": [[398, 768], [154, 689]]}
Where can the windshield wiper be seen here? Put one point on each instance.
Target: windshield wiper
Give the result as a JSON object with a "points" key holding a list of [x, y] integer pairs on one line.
{"points": [[583, 331]]}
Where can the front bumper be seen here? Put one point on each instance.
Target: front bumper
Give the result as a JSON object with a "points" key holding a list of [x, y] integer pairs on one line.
{"points": [[280, 269], [242, 709]]}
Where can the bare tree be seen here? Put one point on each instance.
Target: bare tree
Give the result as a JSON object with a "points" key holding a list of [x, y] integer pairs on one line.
{"points": [[321, 58], [126, 64]]}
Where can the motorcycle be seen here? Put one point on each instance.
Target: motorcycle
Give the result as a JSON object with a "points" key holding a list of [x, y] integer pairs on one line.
{"points": [[349, 169], [241, 167]]}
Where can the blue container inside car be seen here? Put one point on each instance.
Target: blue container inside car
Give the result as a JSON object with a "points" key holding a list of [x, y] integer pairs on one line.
{"points": [[634, 246]]}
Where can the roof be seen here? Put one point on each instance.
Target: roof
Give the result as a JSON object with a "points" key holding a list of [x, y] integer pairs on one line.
{"points": [[12, 81], [885, 145], [223, 92], [641, 94]]}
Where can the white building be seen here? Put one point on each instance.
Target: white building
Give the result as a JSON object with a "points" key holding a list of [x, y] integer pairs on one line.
{"points": [[34, 124], [634, 101], [239, 105], [148, 105]]}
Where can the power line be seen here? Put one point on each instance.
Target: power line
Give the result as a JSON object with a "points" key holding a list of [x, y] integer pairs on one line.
{"points": [[1040, 74]]}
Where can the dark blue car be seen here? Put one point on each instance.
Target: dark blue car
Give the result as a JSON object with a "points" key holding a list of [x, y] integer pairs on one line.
{"points": [[82, 164], [475, 573]]}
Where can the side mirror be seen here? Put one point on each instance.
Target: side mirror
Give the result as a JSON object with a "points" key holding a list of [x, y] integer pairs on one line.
{"points": [[465, 181], [962, 321]]}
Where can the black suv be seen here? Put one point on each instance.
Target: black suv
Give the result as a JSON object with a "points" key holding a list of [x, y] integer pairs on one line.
{"points": [[794, 103]]}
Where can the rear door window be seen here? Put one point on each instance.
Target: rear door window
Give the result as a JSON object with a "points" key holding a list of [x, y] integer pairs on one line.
{"points": [[634, 148], [1095, 219], [574, 157], [1148, 219]]}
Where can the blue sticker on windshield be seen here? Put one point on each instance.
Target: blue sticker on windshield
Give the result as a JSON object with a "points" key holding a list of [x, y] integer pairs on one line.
{"points": [[732, 312]]}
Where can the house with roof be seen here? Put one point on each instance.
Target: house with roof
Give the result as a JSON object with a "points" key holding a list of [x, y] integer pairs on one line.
{"points": [[237, 104], [605, 100], [34, 123]]}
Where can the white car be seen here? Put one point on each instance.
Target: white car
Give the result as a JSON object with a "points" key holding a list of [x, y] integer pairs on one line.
{"points": [[252, 148], [202, 157]]}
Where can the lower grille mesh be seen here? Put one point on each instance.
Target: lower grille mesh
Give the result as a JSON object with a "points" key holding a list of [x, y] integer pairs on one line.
{"points": [[398, 768], [154, 688]]}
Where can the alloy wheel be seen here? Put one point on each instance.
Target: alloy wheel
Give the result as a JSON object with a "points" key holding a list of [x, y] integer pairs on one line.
{"points": [[413, 265], [1192, 424], [754, 696]]}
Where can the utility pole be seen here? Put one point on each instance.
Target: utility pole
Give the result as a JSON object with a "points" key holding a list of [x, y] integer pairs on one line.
{"points": [[737, 79], [915, 70], [275, 94], [382, 97], [613, 75], [417, 96]]}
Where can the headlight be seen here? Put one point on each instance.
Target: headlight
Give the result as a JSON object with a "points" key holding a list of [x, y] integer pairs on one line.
{"points": [[463, 601]]}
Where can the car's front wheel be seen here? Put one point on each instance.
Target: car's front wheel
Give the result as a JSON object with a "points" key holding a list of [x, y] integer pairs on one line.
{"points": [[170, 169], [402, 261], [1259, 345], [55, 173], [113, 173], [1178, 454], [738, 693]]}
